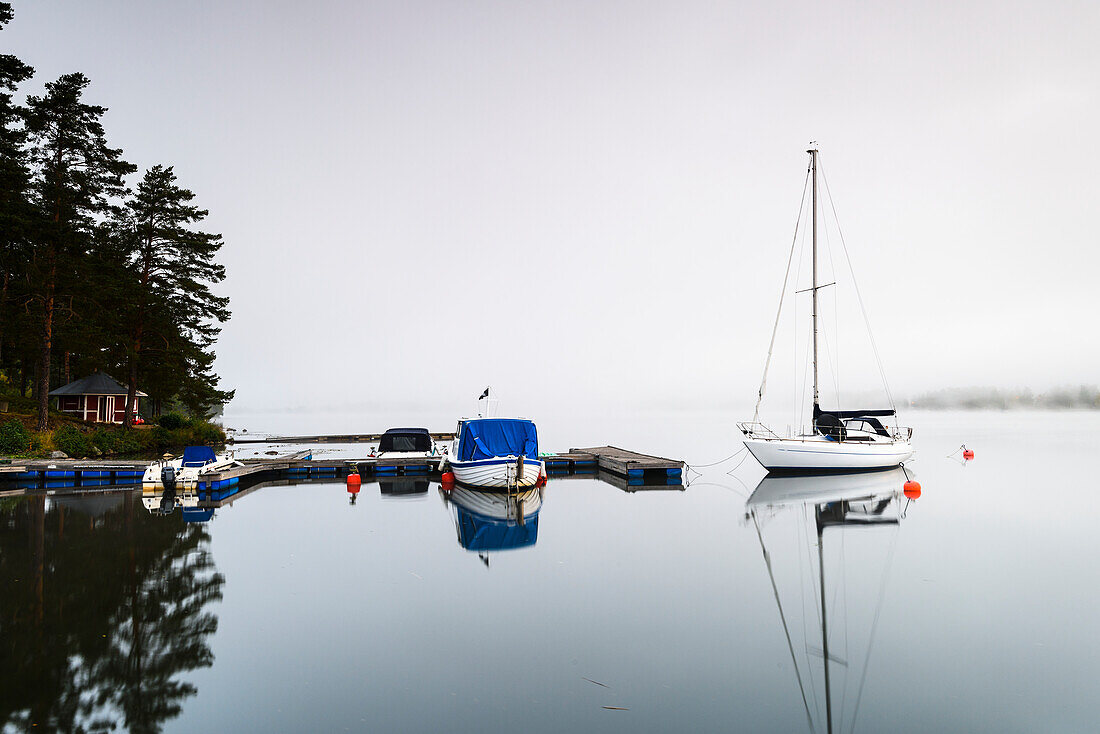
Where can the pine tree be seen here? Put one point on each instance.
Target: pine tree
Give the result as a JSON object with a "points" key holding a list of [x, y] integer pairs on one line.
{"points": [[75, 176], [174, 312], [14, 179]]}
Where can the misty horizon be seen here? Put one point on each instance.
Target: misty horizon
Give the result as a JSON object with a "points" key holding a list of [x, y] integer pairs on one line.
{"points": [[624, 192]]}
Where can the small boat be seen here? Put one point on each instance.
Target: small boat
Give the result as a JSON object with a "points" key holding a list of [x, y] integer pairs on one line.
{"points": [[839, 440], [185, 471], [406, 443], [500, 453]]}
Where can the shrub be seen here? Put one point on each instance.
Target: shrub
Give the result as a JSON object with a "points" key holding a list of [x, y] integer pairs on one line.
{"points": [[14, 438], [172, 421], [203, 432], [72, 441]]}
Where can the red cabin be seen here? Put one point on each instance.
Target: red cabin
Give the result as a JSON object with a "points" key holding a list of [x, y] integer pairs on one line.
{"points": [[97, 397]]}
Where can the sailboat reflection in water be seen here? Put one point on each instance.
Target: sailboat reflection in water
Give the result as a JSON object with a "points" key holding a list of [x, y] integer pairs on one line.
{"points": [[846, 526], [494, 521]]}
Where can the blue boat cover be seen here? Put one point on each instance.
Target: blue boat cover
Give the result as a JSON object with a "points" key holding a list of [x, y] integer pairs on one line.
{"points": [[478, 533], [485, 438], [198, 456]]}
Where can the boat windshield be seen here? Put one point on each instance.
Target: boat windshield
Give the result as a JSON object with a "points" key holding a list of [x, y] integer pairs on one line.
{"points": [[406, 439]]}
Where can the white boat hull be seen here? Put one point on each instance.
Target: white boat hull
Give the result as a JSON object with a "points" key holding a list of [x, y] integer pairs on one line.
{"points": [[186, 477], [496, 473], [818, 454]]}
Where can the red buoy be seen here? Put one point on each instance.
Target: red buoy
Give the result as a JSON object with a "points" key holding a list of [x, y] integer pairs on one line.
{"points": [[912, 489], [448, 477], [968, 454], [354, 479], [541, 482]]}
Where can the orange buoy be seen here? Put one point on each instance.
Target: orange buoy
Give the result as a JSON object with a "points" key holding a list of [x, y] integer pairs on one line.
{"points": [[448, 477], [355, 479], [968, 454], [912, 489], [541, 482]]}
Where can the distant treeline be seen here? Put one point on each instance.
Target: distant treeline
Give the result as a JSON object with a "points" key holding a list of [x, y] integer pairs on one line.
{"points": [[979, 398], [98, 270]]}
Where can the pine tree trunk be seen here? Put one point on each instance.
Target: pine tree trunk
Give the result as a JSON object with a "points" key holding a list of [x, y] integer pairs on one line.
{"points": [[67, 379], [3, 303], [47, 347], [131, 392]]}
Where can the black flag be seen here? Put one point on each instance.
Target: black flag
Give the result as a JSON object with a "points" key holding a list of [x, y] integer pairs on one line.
{"points": [[484, 394]]}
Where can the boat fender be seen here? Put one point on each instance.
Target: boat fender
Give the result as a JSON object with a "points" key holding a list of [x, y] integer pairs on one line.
{"points": [[354, 480], [448, 479], [911, 489], [968, 454]]}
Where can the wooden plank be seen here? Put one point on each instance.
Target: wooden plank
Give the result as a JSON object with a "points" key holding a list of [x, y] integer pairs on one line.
{"points": [[329, 438], [621, 461]]}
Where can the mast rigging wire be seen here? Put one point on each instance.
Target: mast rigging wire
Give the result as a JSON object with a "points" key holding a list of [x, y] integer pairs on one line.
{"points": [[859, 296]]}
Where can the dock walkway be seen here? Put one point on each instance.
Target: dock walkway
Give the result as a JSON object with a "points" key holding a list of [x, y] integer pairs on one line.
{"points": [[326, 438], [301, 465], [630, 463]]}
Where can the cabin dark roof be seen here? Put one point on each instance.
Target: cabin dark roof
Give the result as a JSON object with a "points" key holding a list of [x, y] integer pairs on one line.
{"points": [[97, 383]]}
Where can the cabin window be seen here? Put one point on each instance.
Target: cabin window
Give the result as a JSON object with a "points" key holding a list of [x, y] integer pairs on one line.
{"points": [[70, 403]]}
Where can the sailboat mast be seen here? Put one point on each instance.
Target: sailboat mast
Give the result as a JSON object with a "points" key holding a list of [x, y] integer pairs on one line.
{"points": [[813, 290]]}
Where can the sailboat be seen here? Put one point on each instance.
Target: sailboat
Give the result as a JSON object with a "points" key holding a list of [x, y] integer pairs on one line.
{"points": [[839, 440], [830, 636]]}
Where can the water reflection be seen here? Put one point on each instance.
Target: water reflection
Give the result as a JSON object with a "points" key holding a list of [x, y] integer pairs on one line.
{"points": [[494, 521], [105, 609], [828, 544], [403, 487], [165, 500]]}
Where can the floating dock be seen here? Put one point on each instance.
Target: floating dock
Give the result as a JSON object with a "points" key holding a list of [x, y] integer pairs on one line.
{"points": [[326, 438], [630, 463], [637, 469]]}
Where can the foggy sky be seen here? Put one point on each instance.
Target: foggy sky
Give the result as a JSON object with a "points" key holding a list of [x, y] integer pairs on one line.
{"points": [[594, 200]]}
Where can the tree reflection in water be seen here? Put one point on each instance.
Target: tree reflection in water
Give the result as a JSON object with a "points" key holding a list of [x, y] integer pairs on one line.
{"points": [[102, 608]]}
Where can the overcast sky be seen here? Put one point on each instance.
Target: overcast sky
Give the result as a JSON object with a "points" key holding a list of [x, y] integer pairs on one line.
{"points": [[576, 200]]}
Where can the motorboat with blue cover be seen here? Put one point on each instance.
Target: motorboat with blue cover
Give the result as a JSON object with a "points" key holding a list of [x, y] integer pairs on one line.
{"points": [[185, 471], [496, 453], [495, 521]]}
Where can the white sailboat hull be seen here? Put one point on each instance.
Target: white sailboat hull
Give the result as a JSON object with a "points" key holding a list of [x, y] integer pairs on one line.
{"points": [[818, 454], [498, 472]]}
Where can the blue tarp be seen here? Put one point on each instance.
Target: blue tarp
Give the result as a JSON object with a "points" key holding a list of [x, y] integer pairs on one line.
{"points": [[477, 533], [198, 456], [484, 438]]}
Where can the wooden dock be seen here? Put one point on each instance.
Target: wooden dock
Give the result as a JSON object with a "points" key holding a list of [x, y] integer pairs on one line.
{"points": [[637, 469], [327, 438], [630, 463]]}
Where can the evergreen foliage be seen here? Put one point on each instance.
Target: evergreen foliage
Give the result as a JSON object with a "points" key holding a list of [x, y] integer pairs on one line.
{"points": [[94, 275], [14, 438]]}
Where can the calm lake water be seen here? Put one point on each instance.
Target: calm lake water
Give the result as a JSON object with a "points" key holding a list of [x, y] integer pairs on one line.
{"points": [[972, 608]]}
